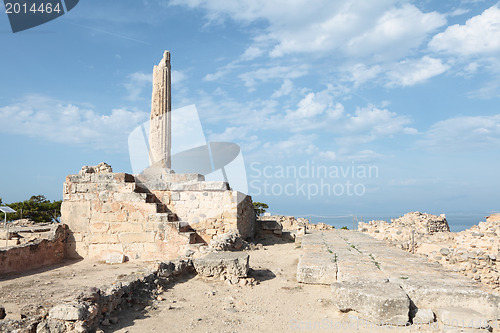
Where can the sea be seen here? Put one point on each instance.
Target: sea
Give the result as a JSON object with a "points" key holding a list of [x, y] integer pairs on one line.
{"points": [[457, 222]]}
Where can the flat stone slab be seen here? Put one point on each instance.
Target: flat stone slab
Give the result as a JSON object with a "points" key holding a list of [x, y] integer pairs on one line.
{"points": [[366, 263], [317, 268], [378, 302], [227, 264], [458, 318]]}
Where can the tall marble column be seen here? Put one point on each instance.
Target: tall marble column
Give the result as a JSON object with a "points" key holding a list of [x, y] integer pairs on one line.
{"points": [[160, 131]]}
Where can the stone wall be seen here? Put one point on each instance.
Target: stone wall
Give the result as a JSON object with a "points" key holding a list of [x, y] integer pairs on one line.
{"points": [[39, 253], [115, 213]]}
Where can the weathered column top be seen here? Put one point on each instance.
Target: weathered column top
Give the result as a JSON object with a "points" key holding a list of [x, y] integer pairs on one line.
{"points": [[165, 61]]}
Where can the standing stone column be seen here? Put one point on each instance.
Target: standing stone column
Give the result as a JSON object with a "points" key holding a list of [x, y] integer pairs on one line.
{"points": [[160, 131]]}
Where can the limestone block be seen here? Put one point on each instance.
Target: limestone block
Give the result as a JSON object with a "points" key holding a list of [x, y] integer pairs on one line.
{"points": [[130, 197], [222, 263], [317, 268], [101, 238], [441, 294], [99, 227], [115, 258], [86, 187], [86, 178], [214, 186], [127, 188], [137, 237], [102, 178], [378, 302], [136, 217], [124, 178], [147, 208], [100, 251], [423, 316], [68, 311], [461, 318], [120, 227], [76, 215]]}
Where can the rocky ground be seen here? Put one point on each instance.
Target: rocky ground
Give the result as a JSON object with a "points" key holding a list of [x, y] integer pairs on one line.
{"points": [[275, 302], [473, 252]]}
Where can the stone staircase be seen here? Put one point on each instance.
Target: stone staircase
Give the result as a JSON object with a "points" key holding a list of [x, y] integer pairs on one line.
{"points": [[191, 242]]}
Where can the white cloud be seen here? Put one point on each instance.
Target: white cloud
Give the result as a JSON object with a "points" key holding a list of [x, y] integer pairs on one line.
{"points": [[270, 73], [251, 53], [399, 30], [215, 76], [479, 35], [382, 28], [487, 91], [136, 83], [360, 73], [328, 155], [411, 72], [285, 89], [308, 107], [460, 133], [50, 119], [377, 121]]}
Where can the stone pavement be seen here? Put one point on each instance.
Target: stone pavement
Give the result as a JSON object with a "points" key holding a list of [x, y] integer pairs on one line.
{"points": [[386, 285]]}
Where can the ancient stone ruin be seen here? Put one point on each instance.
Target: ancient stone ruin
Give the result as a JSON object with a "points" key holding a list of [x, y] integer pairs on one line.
{"points": [[157, 214]]}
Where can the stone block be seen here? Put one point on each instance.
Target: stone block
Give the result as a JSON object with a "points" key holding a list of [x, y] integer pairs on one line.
{"points": [[222, 264], [101, 238], [120, 227], [115, 258], [102, 177], [137, 237], [86, 188], [76, 215], [123, 178], [100, 251], [214, 186], [378, 302], [99, 227], [422, 316], [51, 326], [130, 197], [317, 268], [72, 312], [441, 294], [458, 318]]}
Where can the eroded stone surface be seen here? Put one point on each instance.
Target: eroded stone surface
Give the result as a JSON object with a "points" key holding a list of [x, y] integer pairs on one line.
{"points": [[378, 302], [68, 312], [317, 268], [214, 264]]}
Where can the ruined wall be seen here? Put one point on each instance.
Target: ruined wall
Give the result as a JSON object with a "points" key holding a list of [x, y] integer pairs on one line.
{"points": [[111, 213], [212, 213], [106, 215], [42, 252]]}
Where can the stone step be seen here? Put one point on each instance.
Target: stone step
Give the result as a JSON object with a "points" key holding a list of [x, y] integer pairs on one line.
{"points": [[190, 235]]}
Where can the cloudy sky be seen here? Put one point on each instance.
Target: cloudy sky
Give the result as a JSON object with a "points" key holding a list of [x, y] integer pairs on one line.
{"points": [[395, 103]]}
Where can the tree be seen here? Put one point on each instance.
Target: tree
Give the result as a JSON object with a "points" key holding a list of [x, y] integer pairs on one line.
{"points": [[260, 208], [38, 209]]}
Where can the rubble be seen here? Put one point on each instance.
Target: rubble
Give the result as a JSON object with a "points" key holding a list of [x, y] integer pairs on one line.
{"points": [[217, 264], [95, 306], [472, 252]]}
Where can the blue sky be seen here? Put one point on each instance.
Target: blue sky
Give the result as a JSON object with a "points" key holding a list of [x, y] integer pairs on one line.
{"points": [[408, 88]]}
